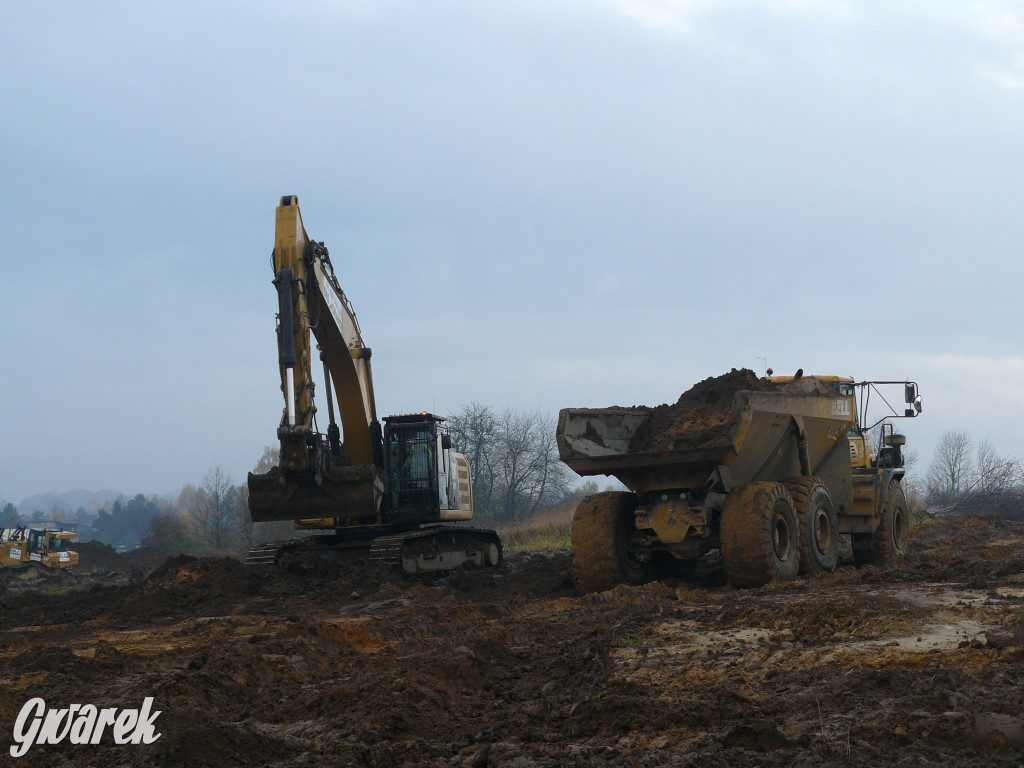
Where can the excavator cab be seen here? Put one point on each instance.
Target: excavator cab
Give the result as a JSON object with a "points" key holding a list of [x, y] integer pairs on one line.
{"points": [[412, 465]]}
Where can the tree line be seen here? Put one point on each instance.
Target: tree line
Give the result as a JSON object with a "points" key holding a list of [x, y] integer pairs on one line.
{"points": [[516, 472], [968, 478], [513, 461], [211, 515]]}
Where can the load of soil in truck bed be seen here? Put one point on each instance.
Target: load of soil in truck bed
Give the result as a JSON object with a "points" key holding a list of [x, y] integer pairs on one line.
{"points": [[701, 414]]}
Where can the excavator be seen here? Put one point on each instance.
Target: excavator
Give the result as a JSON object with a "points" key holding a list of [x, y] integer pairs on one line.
{"points": [[395, 489]]}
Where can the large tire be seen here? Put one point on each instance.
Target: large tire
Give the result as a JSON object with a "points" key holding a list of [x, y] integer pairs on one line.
{"points": [[601, 554], [819, 526], [760, 535], [888, 544]]}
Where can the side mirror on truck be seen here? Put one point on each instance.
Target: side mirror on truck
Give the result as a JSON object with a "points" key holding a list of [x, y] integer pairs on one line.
{"points": [[912, 398]]}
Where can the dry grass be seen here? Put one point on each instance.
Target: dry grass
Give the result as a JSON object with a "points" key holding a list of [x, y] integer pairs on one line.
{"points": [[547, 529]]}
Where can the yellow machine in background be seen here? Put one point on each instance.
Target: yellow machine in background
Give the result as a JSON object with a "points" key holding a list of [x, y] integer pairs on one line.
{"points": [[391, 488], [35, 548]]}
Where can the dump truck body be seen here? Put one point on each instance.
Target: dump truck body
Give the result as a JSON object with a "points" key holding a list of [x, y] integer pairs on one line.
{"points": [[761, 444]]}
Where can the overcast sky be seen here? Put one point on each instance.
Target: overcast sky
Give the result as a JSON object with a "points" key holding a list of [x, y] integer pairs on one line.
{"points": [[530, 204]]}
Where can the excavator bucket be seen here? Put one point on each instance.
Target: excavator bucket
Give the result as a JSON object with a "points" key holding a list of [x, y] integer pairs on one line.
{"points": [[349, 493]]}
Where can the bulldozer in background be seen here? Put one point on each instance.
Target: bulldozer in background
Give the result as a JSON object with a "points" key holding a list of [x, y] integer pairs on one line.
{"points": [[774, 491], [38, 549]]}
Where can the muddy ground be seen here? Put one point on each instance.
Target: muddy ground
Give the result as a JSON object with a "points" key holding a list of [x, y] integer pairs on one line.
{"points": [[329, 664]]}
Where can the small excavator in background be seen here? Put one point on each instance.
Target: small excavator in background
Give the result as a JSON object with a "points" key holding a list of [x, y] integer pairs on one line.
{"points": [[394, 490]]}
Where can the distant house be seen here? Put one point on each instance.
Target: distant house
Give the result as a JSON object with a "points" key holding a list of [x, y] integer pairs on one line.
{"points": [[53, 525], [85, 527]]}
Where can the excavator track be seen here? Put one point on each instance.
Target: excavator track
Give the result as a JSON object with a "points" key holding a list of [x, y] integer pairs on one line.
{"points": [[269, 552], [431, 549], [439, 548]]}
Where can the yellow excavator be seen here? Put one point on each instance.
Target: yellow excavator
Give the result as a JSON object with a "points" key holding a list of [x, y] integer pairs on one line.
{"points": [[395, 489]]}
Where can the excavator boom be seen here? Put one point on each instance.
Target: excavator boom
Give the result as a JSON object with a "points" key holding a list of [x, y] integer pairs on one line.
{"points": [[327, 483]]}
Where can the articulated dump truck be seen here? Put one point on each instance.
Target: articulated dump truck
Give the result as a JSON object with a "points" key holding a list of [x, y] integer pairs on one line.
{"points": [[770, 470]]}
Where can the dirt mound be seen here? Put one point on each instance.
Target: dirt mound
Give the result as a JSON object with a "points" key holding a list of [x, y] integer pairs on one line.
{"points": [[94, 556], [146, 558], [198, 586], [701, 414]]}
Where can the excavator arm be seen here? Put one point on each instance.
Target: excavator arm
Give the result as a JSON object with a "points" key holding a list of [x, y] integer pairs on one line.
{"points": [[332, 482]]}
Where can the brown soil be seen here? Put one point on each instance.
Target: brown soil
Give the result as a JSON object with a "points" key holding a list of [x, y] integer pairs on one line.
{"points": [[94, 556], [335, 664], [700, 415]]}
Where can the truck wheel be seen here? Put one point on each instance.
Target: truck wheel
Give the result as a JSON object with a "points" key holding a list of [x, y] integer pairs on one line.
{"points": [[819, 526], [760, 535], [603, 553], [894, 525], [889, 541]]}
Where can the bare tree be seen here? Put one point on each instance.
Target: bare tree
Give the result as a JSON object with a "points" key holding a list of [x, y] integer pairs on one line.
{"points": [[214, 508], [992, 484], [997, 484], [240, 511], [513, 459], [474, 432], [531, 474], [950, 470], [270, 458], [170, 532], [518, 451]]}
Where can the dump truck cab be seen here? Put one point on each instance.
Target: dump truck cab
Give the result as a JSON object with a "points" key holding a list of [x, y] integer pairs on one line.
{"points": [[864, 453]]}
